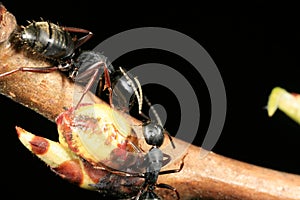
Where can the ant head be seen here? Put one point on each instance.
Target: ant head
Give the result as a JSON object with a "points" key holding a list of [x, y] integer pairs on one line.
{"points": [[153, 133]]}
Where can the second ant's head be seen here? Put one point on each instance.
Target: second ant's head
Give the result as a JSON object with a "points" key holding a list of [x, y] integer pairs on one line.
{"points": [[153, 133]]}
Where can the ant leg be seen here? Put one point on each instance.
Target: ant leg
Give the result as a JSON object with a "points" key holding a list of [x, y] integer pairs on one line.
{"points": [[118, 172], [162, 185], [142, 190], [94, 70], [107, 85], [81, 40], [166, 159], [174, 170], [31, 69]]}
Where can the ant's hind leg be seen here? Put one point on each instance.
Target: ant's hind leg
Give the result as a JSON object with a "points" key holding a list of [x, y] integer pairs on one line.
{"points": [[107, 85], [81, 40], [31, 69]]}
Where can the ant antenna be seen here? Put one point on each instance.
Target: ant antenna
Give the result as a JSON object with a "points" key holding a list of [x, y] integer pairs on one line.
{"points": [[138, 92], [170, 138], [154, 111], [139, 95]]}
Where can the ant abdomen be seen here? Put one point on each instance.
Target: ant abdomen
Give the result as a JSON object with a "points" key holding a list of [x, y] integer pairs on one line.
{"points": [[48, 39]]}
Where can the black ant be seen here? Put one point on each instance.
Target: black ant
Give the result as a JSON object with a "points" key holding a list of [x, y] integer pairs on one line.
{"points": [[154, 135], [56, 44], [153, 161]]}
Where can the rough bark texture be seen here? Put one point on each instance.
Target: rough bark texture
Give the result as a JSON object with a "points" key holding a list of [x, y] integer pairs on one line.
{"points": [[213, 177]]}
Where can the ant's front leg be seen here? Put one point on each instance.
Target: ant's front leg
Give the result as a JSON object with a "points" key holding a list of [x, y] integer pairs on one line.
{"points": [[174, 170], [92, 74]]}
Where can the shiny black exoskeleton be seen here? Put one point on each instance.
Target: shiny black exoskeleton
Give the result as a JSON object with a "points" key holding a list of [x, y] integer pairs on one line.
{"points": [[50, 40], [58, 45], [152, 162], [154, 135]]}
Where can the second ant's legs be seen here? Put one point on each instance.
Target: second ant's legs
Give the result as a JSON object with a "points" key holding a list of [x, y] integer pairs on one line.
{"points": [[81, 40], [94, 70], [107, 85], [31, 69]]}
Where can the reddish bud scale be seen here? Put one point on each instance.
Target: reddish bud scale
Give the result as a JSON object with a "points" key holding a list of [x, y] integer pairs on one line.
{"points": [[71, 171], [39, 145]]}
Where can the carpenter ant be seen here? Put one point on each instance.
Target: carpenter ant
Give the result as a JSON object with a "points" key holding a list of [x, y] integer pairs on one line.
{"points": [[153, 161], [154, 135], [56, 44], [153, 132]]}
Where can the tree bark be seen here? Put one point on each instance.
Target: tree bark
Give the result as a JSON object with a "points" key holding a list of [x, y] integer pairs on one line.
{"points": [[212, 177]]}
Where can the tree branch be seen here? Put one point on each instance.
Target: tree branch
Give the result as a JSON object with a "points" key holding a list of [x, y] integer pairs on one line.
{"points": [[213, 177]]}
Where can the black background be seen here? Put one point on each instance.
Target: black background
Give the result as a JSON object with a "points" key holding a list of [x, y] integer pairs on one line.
{"points": [[254, 53]]}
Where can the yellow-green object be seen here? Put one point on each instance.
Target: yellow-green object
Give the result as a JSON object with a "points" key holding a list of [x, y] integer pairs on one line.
{"points": [[92, 139], [287, 102]]}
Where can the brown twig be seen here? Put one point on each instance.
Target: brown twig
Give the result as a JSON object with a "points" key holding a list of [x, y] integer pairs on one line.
{"points": [[213, 177]]}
